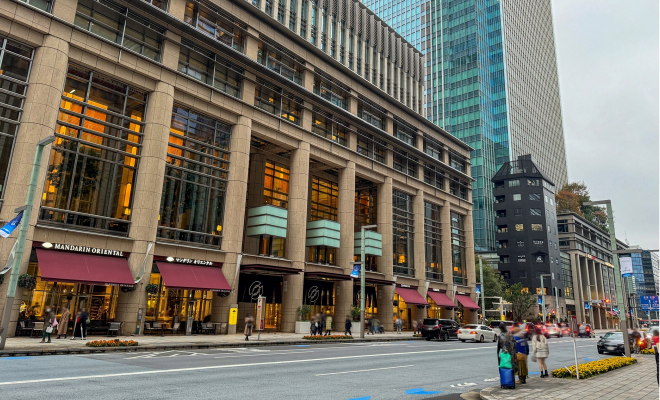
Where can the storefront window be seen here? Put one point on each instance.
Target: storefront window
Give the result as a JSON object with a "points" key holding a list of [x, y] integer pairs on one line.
{"points": [[250, 288], [402, 310], [370, 299], [94, 161], [404, 233], [193, 199], [458, 249], [432, 241], [171, 305], [320, 296]]}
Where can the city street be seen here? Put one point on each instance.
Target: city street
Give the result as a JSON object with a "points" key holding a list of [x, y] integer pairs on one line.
{"points": [[394, 370]]}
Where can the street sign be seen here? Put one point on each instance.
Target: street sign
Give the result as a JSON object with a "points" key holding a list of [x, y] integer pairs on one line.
{"points": [[261, 311], [233, 316], [649, 303]]}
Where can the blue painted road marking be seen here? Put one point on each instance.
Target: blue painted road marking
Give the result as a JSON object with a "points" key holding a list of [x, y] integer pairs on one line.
{"points": [[14, 358], [590, 359], [421, 391], [361, 398], [302, 345], [534, 373]]}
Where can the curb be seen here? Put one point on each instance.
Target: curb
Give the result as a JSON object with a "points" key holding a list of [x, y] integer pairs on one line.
{"points": [[485, 394], [164, 347]]}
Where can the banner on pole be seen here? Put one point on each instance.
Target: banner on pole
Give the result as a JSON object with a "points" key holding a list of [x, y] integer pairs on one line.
{"points": [[626, 266], [478, 288], [356, 271], [6, 230]]}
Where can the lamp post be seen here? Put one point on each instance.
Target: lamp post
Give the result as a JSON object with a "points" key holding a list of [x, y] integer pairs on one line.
{"points": [[483, 290], [591, 306], [617, 268], [22, 236], [543, 295], [362, 290]]}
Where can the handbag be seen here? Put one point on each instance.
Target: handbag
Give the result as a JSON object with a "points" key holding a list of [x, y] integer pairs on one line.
{"points": [[521, 356], [534, 358], [505, 360], [49, 330], [55, 323]]}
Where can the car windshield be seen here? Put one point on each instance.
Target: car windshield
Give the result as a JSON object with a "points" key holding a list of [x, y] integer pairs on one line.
{"points": [[613, 335], [470, 327], [430, 321]]}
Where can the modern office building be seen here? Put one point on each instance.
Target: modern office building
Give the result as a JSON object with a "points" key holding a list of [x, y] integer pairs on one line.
{"points": [[642, 281], [491, 81], [587, 255], [527, 243], [212, 153]]}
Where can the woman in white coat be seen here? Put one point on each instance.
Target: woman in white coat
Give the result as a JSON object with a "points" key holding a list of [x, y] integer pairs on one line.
{"points": [[541, 351]]}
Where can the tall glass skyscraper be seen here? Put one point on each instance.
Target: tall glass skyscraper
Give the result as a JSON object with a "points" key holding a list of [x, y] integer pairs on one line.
{"points": [[491, 81]]}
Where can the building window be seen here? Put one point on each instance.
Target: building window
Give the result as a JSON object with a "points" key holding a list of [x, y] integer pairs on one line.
{"points": [[514, 182], [44, 5], [279, 62], [521, 243], [567, 277], [118, 24], [158, 4], [281, 10], [276, 185], [537, 227], [405, 163], [457, 162], [434, 177], [522, 274], [371, 147], [519, 227], [211, 22], [93, 163], [432, 241], [324, 199], [331, 92], [535, 196], [533, 182], [365, 207], [371, 115], [15, 63], [193, 201], [522, 258], [458, 188], [517, 212], [517, 197], [459, 267], [325, 126], [208, 67], [405, 132], [272, 100], [433, 148], [404, 233], [536, 212], [303, 18]]}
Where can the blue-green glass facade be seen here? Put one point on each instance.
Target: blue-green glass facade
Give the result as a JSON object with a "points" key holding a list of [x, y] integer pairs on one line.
{"points": [[465, 86]]}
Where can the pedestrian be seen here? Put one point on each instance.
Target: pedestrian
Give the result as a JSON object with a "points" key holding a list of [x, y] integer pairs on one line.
{"points": [[84, 320], [76, 325], [420, 326], [312, 326], [378, 328], [320, 324], [522, 351], [370, 324], [63, 326], [507, 344], [398, 323], [328, 325], [49, 323], [541, 351], [347, 326], [414, 326], [656, 336], [635, 338], [249, 321]]}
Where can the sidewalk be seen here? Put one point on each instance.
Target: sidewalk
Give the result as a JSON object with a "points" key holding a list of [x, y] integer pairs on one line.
{"points": [[631, 382], [23, 346]]}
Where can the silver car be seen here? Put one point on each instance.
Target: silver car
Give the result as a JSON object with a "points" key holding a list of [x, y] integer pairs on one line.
{"points": [[554, 330]]}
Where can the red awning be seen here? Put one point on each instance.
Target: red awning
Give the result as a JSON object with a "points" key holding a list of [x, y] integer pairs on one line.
{"points": [[467, 302], [441, 299], [411, 296], [196, 277], [63, 266], [612, 313]]}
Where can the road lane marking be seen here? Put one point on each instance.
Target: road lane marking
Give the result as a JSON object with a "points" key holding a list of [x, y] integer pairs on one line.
{"points": [[260, 355], [364, 370], [211, 367]]}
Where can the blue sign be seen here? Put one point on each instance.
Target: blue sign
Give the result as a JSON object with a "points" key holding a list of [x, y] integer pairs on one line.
{"points": [[649, 303], [356, 271], [540, 300], [478, 288], [6, 230], [616, 310], [587, 306]]}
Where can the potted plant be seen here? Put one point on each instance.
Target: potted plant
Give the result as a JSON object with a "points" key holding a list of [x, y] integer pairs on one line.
{"points": [[151, 288], [303, 311], [355, 313], [27, 281]]}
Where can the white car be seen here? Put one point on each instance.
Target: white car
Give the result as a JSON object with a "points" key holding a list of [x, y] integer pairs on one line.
{"points": [[478, 333]]}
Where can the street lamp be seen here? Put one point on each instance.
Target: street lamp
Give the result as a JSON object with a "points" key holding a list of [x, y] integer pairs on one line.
{"points": [[617, 268], [362, 289], [22, 236], [543, 296]]}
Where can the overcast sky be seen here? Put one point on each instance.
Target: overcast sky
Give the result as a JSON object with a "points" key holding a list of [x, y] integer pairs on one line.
{"points": [[607, 54]]}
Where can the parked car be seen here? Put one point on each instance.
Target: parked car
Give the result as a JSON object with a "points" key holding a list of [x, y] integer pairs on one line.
{"points": [[478, 333], [443, 329], [612, 342], [585, 330], [554, 330], [495, 325]]}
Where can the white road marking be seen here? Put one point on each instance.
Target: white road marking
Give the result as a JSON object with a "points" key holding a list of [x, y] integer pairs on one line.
{"points": [[269, 354], [364, 370], [466, 384], [211, 367]]}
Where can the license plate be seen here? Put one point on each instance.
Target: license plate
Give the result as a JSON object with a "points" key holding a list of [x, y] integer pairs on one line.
{"points": [[610, 347]]}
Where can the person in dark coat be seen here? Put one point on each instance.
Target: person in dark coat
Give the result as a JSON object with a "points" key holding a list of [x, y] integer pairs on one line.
{"points": [[370, 324], [49, 321], [84, 316], [347, 326], [249, 321], [507, 344]]}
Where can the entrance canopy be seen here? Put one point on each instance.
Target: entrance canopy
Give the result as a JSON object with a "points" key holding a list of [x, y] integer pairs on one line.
{"points": [[411, 296], [467, 302], [441, 299], [195, 277], [269, 269], [63, 266], [327, 276]]}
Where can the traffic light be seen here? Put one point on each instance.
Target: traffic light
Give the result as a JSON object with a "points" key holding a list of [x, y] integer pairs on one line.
{"points": [[607, 301]]}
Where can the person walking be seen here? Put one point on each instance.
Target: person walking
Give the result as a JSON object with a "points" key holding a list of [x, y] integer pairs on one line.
{"points": [[49, 323], [319, 327], [249, 321], [414, 326], [541, 351], [347, 326], [328, 325], [522, 351], [76, 325], [420, 326], [370, 325], [63, 326], [312, 326], [398, 323], [84, 320]]}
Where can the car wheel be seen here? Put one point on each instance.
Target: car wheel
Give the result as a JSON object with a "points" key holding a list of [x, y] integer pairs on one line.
{"points": [[463, 340], [481, 339], [494, 338], [445, 337], [428, 338], [600, 351]]}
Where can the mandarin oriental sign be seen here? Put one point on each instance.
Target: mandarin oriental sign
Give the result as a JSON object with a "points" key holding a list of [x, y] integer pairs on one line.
{"points": [[189, 261], [85, 249]]}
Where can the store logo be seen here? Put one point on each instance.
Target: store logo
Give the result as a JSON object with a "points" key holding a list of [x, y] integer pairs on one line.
{"points": [[255, 290], [313, 294], [83, 249]]}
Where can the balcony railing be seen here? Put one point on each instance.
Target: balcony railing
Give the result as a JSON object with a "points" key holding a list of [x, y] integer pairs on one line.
{"points": [[434, 275], [408, 271]]}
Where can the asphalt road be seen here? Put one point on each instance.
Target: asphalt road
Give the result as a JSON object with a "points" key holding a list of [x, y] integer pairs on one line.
{"points": [[392, 370]]}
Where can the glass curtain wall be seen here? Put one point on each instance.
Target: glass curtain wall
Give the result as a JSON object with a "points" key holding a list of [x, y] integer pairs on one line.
{"points": [[404, 233], [432, 241]]}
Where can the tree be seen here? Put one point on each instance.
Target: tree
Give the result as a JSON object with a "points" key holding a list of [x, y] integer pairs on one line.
{"points": [[521, 302], [572, 197], [494, 284]]}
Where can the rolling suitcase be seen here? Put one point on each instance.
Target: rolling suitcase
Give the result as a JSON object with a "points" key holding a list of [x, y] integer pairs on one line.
{"points": [[507, 378]]}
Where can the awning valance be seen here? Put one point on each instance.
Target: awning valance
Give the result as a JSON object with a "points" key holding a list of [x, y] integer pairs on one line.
{"points": [[441, 299], [467, 302], [63, 266], [411, 296], [195, 277]]}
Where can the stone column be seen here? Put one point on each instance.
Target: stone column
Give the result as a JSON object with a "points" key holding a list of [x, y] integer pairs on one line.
{"points": [[38, 120], [146, 200], [234, 216], [447, 269], [346, 210], [65, 10], [419, 252], [385, 264], [469, 250], [292, 295]]}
